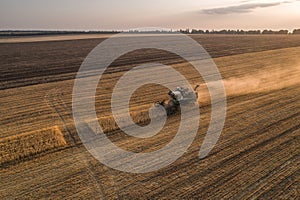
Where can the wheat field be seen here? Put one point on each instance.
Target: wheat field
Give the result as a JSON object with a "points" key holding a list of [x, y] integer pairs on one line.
{"points": [[257, 155]]}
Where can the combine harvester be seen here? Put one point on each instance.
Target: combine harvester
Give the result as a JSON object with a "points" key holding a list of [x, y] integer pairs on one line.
{"points": [[179, 96]]}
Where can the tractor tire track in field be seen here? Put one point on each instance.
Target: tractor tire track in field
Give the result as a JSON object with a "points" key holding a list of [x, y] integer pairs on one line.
{"points": [[54, 101], [65, 114]]}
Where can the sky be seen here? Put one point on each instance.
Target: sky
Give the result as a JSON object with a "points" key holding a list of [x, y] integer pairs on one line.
{"points": [[129, 14]]}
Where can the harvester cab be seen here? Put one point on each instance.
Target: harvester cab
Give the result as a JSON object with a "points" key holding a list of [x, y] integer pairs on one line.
{"points": [[183, 95], [179, 96]]}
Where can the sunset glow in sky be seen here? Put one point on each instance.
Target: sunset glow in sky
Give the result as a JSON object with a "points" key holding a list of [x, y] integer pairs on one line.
{"points": [[127, 14]]}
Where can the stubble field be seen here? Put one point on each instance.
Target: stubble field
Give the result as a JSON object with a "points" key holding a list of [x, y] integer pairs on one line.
{"points": [[257, 155]]}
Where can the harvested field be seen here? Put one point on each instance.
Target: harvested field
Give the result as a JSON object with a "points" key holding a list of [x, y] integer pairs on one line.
{"points": [[257, 155], [41, 62]]}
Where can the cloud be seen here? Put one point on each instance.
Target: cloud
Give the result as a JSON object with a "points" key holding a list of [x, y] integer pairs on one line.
{"points": [[243, 8]]}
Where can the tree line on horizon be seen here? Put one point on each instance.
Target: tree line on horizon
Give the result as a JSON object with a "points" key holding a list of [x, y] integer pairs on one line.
{"points": [[7, 33], [239, 32]]}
